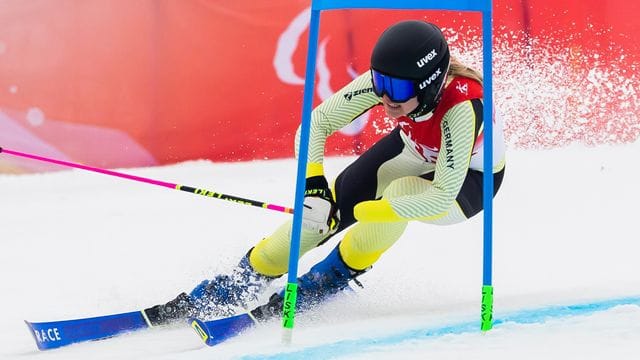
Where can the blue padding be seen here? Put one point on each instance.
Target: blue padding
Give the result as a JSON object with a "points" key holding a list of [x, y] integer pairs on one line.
{"points": [[462, 5]]}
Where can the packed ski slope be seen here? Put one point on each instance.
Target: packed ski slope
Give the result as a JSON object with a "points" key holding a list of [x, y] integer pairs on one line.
{"points": [[76, 244]]}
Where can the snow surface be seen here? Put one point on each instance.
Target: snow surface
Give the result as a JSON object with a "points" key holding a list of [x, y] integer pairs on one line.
{"points": [[76, 244]]}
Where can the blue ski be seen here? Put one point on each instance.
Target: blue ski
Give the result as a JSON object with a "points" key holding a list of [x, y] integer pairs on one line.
{"points": [[216, 331], [55, 334]]}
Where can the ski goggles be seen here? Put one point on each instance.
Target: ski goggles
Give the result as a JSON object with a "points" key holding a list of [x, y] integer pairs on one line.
{"points": [[397, 89]]}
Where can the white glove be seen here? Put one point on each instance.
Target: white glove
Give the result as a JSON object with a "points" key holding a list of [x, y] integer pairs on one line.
{"points": [[319, 216]]}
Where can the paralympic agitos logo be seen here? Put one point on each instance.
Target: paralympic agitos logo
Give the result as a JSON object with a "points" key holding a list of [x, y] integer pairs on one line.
{"points": [[285, 69]]}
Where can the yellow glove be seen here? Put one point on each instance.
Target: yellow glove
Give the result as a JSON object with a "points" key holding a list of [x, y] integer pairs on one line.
{"points": [[376, 211]]}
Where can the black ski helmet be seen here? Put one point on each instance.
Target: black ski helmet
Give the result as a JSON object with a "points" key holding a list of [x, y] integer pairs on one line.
{"points": [[414, 50]]}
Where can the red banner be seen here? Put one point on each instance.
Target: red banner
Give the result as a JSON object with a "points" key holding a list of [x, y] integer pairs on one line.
{"points": [[115, 83]]}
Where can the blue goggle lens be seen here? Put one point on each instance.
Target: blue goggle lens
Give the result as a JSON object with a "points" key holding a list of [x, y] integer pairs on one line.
{"points": [[398, 90]]}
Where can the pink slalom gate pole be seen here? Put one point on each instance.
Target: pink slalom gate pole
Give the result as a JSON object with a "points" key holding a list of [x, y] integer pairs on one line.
{"points": [[203, 192]]}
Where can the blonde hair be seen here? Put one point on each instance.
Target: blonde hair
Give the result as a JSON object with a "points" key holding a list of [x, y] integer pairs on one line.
{"points": [[456, 68]]}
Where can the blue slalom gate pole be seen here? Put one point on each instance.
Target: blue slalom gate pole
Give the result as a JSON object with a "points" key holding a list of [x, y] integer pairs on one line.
{"points": [[291, 289], [317, 6], [487, 191]]}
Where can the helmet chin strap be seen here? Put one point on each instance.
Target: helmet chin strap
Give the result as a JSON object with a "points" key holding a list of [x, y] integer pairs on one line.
{"points": [[420, 110]]}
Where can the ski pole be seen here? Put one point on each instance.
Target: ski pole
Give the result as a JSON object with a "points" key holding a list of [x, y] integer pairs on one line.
{"points": [[203, 192]]}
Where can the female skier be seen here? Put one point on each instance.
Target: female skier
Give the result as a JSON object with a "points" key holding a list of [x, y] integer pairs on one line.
{"points": [[428, 169]]}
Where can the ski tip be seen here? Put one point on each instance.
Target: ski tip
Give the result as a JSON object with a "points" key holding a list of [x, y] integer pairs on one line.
{"points": [[214, 332], [200, 329], [29, 325], [39, 335]]}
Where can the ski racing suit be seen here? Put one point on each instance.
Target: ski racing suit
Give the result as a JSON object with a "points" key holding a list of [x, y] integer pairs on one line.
{"points": [[429, 169]]}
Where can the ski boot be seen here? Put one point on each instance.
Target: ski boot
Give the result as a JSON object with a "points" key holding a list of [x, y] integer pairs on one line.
{"points": [[324, 280], [225, 294], [221, 296]]}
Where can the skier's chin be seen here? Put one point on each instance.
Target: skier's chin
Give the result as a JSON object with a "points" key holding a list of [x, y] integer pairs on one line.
{"points": [[398, 109]]}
